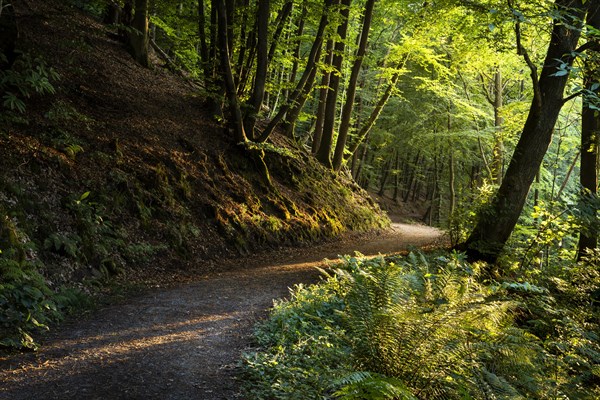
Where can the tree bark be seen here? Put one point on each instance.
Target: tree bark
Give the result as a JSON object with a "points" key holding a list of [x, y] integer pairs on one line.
{"points": [[340, 146], [497, 163], [324, 152], [139, 38], [590, 131], [314, 55], [328, 59], [230, 89], [497, 223], [260, 78]]}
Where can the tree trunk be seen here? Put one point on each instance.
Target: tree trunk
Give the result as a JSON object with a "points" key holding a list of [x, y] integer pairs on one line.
{"points": [[385, 172], [245, 43], [397, 178], [315, 53], [340, 146], [590, 131], [283, 16], [328, 59], [204, 57], [299, 32], [260, 78], [362, 134], [230, 89], [139, 38], [362, 159], [9, 33], [496, 224], [497, 163], [324, 152]]}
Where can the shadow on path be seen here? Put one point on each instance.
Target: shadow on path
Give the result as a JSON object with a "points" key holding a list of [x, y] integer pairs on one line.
{"points": [[180, 343]]}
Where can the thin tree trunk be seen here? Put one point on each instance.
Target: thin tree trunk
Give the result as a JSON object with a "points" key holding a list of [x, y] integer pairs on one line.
{"points": [[204, 57], [498, 122], [385, 172], [411, 179], [314, 55], [397, 177], [328, 59], [282, 20], [299, 32], [244, 43], [590, 131], [375, 113], [230, 89], [260, 77], [324, 152], [362, 160], [568, 175], [338, 156]]}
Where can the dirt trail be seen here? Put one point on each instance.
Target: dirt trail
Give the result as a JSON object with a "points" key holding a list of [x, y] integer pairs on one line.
{"points": [[179, 343]]}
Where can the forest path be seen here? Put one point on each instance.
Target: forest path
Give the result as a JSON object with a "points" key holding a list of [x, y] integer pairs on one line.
{"points": [[183, 342]]}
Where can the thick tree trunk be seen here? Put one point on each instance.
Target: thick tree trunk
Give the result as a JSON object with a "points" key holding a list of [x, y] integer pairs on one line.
{"points": [[497, 223], [340, 146], [139, 38]]}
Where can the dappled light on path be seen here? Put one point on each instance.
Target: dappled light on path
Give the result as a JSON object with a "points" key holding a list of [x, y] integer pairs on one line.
{"points": [[177, 343]]}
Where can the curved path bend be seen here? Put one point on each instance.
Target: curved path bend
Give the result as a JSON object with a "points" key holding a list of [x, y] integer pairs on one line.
{"points": [[178, 343]]}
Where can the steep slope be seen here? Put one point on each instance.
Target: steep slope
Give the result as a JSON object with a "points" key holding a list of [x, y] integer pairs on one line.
{"points": [[123, 172]]}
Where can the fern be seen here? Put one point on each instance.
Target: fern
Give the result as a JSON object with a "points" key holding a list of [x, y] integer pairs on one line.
{"points": [[366, 385], [431, 326]]}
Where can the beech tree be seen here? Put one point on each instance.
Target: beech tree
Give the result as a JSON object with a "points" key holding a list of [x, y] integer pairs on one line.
{"points": [[497, 223]]}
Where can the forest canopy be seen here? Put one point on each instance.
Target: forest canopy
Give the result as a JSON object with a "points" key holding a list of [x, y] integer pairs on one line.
{"points": [[464, 105]]}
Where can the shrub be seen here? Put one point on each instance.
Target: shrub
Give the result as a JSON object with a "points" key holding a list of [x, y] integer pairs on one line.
{"points": [[424, 327]]}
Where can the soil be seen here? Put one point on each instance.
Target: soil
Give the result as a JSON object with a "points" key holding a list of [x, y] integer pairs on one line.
{"points": [[181, 342]]}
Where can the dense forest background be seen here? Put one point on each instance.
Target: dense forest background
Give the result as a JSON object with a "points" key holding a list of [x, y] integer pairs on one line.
{"points": [[247, 124], [423, 101]]}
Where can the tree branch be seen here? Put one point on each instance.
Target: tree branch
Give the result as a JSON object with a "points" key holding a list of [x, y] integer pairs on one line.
{"points": [[537, 96], [571, 97]]}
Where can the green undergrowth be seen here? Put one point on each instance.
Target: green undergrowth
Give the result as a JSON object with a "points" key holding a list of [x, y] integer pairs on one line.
{"points": [[88, 198], [425, 327]]}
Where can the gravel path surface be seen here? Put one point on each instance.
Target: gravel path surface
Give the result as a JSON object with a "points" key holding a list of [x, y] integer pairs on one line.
{"points": [[182, 342]]}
